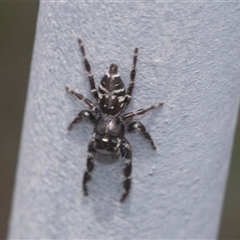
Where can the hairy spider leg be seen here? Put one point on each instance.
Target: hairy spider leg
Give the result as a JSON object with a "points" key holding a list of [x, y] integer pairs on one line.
{"points": [[81, 97], [127, 158], [130, 115], [132, 78], [138, 125], [90, 165], [88, 69], [84, 113]]}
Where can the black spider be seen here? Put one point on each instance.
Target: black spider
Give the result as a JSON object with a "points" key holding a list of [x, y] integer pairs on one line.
{"points": [[109, 126]]}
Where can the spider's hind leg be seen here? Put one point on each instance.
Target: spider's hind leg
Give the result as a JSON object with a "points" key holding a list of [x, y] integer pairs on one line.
{"points": [[81, 97], [130, 115], [132, 78], [88, 69]]}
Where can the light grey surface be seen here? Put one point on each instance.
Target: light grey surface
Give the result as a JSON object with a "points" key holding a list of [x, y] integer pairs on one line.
{"points": [[189, 59]]}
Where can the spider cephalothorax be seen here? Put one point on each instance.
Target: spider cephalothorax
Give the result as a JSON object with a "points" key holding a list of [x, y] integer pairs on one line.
{"points": [[109, 124]]}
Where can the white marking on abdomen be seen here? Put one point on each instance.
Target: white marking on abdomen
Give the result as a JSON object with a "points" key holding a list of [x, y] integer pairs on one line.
{"points": [[112, 76], [110, 93], [103, 88], [118, 90], [121, 99]]}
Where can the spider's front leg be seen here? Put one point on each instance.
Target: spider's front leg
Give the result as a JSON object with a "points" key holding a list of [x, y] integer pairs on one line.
{"points": [[127, 158], [90, 165], [138, 125], [84, 113]]}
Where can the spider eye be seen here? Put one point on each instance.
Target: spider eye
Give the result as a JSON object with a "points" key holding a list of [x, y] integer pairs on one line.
{"points": [[109, 107], [105, 139]]}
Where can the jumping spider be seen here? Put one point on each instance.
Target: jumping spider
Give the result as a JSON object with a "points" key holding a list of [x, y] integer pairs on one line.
{"points": [[109, 125]]}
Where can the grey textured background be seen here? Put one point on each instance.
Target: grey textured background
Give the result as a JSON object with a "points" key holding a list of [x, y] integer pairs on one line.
{"points": [[188, 58]]}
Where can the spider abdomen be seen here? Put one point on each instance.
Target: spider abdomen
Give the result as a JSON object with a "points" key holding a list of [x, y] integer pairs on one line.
{"points": [[111, 92]]}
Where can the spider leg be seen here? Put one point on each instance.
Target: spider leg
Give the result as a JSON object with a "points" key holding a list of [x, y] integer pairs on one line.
{"points": [[130, 115], [90, 165], [127, 157], [84, 113], [132, 78], [81, 97], [88, 69], [138, 125]]}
